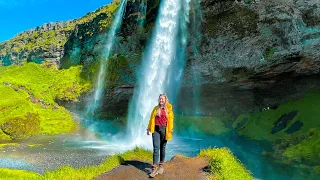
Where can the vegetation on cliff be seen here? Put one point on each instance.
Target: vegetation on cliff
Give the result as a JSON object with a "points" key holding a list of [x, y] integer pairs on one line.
{"points": [[304, 152], [51, 36], [28, 106]]}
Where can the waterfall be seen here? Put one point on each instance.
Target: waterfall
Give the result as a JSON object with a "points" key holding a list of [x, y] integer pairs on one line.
{"points": [[162, 67], [100, 83], [142, 13], [196, 37]]}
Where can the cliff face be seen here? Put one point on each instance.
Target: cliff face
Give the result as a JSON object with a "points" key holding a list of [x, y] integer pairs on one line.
{"points": [[253, 54], [247, 54], [265, 39], [47, 42], [40, 44]]}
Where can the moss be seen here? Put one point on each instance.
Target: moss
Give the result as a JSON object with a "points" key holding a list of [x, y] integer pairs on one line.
{"points": [[23, 126], [269, 52], [18, 174], [204, 124], [307, 151], [224, 165], [29, 92], [259, 125], [317, 169], [3, 136], [117, 67]]}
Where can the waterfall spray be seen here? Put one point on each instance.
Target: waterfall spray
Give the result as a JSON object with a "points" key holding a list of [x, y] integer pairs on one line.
{"points": [[159, 67], [100, 83]]}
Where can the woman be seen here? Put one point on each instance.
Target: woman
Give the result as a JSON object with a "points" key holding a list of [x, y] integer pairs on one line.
{"points": [[161, 127]]}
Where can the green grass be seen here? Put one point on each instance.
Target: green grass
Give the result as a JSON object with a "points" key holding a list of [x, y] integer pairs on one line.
{"points": [[8, 174], [223, 165], [2, 145], [260, 124], [29, 92], [204, 124], [89, 172]]}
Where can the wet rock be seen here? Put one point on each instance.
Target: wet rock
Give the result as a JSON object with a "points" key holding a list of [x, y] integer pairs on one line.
{"points": [[242, 123], [283, 121], [296, 126]]}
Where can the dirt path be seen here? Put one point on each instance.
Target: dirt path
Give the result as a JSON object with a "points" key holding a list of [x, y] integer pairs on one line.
{"points": [[177, 168]]}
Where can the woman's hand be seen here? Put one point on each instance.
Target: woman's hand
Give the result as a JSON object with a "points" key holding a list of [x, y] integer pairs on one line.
{"points": [[148, 132]]}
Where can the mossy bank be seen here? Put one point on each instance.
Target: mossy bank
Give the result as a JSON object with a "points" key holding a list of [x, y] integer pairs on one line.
{"points": [[29, 93]]}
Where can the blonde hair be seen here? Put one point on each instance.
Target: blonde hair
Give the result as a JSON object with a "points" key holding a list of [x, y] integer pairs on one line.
{"points": [[165, 105]]}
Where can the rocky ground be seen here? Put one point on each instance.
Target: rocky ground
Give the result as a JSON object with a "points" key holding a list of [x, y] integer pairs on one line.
{"points": [[178, 167]]}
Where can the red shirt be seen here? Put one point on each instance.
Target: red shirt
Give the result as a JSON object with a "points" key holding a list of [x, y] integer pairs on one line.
{"points": [[162, 119]]}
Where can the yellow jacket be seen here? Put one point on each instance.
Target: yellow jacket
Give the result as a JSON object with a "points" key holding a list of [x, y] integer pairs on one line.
{"points": [[169, 128]]}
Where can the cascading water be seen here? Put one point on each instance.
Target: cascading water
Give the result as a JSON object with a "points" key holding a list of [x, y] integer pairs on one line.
{"points": [[100, 83], [142, 13], [162, 66], [195, 43]]}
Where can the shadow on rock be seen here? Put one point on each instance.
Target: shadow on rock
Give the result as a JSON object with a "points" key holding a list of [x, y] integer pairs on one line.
{"points": [[143, 166]]}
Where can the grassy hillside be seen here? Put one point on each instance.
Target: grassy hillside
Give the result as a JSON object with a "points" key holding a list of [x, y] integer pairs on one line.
{"points": [[28, 106]]}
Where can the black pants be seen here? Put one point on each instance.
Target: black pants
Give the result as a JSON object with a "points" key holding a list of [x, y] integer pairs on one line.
{"points": [[159, 143]]}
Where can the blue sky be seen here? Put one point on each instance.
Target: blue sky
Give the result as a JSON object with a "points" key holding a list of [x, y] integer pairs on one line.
{"points": [[20, 15]]}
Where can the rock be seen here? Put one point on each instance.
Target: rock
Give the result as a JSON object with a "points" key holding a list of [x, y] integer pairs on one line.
{"points": [[296, 126], [283, 121]]}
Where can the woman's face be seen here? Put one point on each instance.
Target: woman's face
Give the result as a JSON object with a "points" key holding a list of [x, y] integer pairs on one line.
{"points": [[162, 100]]}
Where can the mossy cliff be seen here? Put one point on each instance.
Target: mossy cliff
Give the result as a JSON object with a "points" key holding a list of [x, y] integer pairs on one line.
{"points": [[29, 94], [46, 43]]}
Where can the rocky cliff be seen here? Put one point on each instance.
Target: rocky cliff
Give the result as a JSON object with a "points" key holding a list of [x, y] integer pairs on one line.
{"points": [[46, 43], [247, 53], [254, 54]]}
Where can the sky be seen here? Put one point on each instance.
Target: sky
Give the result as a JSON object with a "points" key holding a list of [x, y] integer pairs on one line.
{"points": [[20, 15]]}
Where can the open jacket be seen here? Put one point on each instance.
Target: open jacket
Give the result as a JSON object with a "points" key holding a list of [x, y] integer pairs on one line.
{"points": [[169, 128]]}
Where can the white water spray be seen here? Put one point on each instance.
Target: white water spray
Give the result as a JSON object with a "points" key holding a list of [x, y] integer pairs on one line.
{"points": [[100, 83], [159, 67]]}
